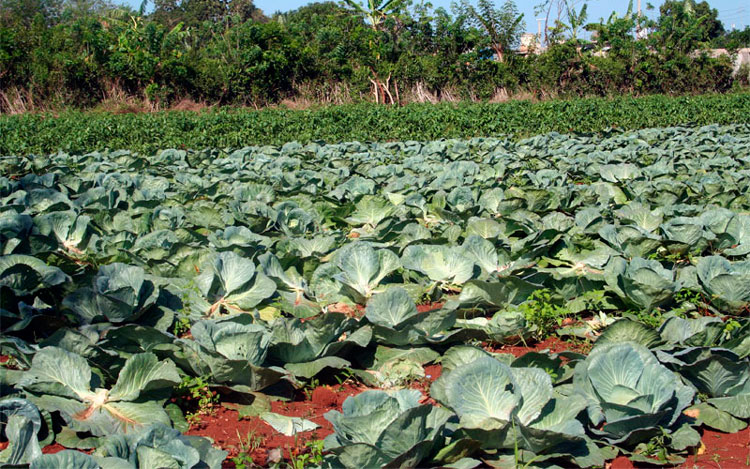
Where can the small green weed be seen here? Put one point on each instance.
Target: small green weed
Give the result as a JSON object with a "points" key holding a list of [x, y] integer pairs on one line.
{"points": [[313, 457], [195, 394], [552, 373], [673, 257], [657, 447], [309, 387], [246, 445], [243, 461], [346, 376], [542, 315], [731, 325], [583, 346], [182, 320], [181, 324], [11, 363], [655, 317], [688, 299], [688, 296], [651, 318]]}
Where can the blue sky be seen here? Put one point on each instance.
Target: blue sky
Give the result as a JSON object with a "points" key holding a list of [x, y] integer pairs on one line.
{"points": [[731, 12]]}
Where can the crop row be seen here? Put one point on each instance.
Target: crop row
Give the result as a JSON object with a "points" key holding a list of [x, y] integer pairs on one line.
{"points": [[83, 132]]}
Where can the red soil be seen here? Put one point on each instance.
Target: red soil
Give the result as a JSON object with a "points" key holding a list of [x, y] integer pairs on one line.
{"points": [[432, 372], [4, 359], [621, 462], [225, 428], [359, 310], [719, 451], [54, 448], [429, 307], [722, 451], [552, 344]]}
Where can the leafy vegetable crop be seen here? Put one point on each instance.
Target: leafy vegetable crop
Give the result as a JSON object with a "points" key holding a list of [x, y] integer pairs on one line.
{"points": [[150, 132], [123, 275]]}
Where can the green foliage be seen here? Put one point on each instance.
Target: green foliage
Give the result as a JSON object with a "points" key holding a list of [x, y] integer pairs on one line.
{"points": [[685, 295], [686, 25], [309, 388], [503, 26], [194, 394], [56, 54], [243, 461], [657, 447], [148, 133], [654, 317], [247, 444], [734, 39], [312, 458], [542, 314]]}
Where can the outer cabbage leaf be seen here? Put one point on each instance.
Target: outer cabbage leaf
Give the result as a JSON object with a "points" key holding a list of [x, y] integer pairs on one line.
{"points": [[640, 282], [440, 263], [727, 283], [363, 268], [62, 381], [231, 351], [231, 281], [26, 275], [157, 446], [629, 393], [396, 320], [119, 293], [377, 428], [305, 348]]}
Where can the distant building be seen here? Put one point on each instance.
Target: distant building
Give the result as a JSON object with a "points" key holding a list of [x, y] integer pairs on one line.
{"points": [[529, 44], [742, 57]]}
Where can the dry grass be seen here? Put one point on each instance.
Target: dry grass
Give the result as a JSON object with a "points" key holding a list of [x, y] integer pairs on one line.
{"points": [[297, 103], [115, 99], [500, 96], [187, 104], [421, 94], [307, 95], [16, 101]]}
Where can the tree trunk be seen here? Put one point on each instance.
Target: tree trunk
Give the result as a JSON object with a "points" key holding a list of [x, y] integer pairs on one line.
{"points": [[499, 53], [381, 89]]}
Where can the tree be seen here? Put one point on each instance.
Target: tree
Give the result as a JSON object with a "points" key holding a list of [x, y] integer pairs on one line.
{"points": [[195, 12], [377, 13], [503, 25], [734, 39], [546, 7], [684, 10], [21, 13], [684, 26], [617, 34], [576, 20]]}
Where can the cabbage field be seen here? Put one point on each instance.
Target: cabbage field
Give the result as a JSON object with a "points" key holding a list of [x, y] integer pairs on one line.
{"points": [[260, 274]]}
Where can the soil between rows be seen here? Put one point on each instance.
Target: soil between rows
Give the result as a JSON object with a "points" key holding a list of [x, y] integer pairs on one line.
{"points": [[226, 428]]}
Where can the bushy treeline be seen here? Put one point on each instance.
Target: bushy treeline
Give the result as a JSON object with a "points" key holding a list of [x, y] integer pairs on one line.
{"points": [[63, 53]]}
